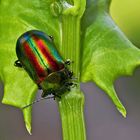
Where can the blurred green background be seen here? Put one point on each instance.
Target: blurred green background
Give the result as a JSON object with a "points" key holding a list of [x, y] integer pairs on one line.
{"points": [[126, 14]]}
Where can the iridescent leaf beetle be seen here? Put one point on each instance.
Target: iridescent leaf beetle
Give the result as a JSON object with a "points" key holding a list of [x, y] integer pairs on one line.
{"points": [[38, 55]]}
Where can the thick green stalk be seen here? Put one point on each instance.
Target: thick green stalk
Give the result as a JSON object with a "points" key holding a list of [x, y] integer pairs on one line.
{"points": [[70, 42], [71, 105], [71, 110]]}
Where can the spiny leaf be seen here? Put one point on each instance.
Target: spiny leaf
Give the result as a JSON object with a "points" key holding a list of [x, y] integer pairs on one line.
{"points": [[15, 19], [107, 53]]}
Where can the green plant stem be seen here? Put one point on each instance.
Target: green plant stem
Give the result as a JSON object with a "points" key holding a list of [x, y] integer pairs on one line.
{"points": [[71, 110], [70, 42], [72, 103]]}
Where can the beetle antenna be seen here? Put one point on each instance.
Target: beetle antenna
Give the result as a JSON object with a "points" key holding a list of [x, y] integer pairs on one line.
{"points": [[36, 101]]}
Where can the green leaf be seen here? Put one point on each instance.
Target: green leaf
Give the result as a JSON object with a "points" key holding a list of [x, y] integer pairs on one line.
{"points": [[15, 19], [107, 53]]}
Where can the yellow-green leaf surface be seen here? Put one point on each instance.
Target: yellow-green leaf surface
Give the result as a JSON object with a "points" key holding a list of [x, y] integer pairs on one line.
{"points": [[107, 53], [16, 17]]}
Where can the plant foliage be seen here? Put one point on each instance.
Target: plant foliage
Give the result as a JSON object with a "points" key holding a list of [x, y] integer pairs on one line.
{"points": [[106, 53]]}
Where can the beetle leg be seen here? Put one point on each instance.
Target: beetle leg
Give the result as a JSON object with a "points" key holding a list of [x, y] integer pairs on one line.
{"points": [[70, 85], [47, 92], [67, 84], [74, 78], [55, 95], [39, 87], [51, 37], [70, 73], [18, 64], [68, 62], [74, 85], [44, 94]]}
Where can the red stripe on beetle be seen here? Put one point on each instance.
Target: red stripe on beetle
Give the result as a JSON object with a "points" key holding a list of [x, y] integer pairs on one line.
{"points": [[45, 51], [41, 73]]}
